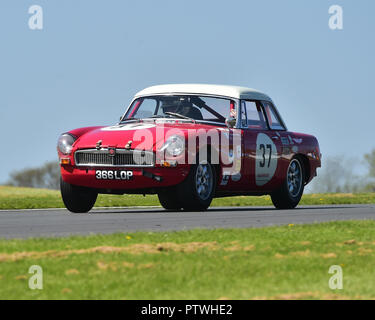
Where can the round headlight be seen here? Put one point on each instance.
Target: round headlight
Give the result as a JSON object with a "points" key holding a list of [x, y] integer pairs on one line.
{"points": [[65, 143], [174, 145]]}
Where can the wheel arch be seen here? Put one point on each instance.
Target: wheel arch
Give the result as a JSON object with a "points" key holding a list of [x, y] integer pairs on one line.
{"points": [[216, 166], [306, 165]]}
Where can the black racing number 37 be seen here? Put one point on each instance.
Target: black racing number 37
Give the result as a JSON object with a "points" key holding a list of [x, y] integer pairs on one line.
{"points": [[266, 153]]}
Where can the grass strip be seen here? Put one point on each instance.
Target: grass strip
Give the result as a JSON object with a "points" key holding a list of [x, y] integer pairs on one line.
{"points": [[287, 262], [29, 198]]}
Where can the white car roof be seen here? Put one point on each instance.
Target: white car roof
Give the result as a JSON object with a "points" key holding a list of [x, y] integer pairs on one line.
{"points": [[205, 89]]}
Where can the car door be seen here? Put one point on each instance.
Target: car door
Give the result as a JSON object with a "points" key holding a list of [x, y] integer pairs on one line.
{"points": [[261, 145], [278, 129]]}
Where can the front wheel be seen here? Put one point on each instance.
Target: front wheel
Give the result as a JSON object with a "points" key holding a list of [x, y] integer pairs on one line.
{"points": [[169, 200], [77, 199], [290, 193], [197, 191]]}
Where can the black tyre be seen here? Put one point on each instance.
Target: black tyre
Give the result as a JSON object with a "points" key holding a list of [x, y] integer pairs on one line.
{"points": [[290, 193], [169, 200], [197, 191], [77, 199]]}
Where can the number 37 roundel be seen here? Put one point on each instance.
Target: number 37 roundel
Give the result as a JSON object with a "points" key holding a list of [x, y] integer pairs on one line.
{"points": [[266, 159]]}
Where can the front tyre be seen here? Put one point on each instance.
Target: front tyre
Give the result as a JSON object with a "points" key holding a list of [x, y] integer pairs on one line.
{"points": [[169, 200], [290, 193], [197, 191], [77, 199]]}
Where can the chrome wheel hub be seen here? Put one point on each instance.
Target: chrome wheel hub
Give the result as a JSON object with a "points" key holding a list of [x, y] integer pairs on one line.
{"points": [[294, 178], [204, 181]]}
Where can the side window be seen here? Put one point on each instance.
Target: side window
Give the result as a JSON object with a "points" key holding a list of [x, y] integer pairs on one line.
{"points": [[252, 116], [272, 117], [221, 106]]}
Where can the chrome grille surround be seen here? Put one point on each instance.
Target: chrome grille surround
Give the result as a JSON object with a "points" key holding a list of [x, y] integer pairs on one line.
{"points": [[122, 158]]}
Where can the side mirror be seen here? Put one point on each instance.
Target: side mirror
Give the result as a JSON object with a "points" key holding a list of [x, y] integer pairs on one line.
{"points": [[230, 122]]}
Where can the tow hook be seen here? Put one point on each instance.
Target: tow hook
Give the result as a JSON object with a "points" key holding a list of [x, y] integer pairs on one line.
{"points": [[152, 176]]}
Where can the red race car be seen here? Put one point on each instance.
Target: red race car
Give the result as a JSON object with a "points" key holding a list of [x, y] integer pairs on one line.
{"points": [[189, 143]]}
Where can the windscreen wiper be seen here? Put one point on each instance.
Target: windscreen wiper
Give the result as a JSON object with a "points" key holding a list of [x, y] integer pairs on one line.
{"points": [[156, 116], [178, 115]]}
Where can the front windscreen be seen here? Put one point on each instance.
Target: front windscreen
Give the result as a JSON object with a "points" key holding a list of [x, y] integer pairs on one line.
{"points": [[180, 106]]}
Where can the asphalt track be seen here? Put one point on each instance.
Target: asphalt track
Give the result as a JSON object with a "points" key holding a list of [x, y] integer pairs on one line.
{"points": [[60, 222]]}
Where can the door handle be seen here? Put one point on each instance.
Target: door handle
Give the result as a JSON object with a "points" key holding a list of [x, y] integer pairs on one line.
{"points": [[275, 137]]}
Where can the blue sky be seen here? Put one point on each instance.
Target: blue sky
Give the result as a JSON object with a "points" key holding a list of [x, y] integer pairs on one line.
{"points": [[90, 58]]}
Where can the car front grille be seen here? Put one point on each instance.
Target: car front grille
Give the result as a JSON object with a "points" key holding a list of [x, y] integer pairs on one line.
{"points": [[119, 158]]}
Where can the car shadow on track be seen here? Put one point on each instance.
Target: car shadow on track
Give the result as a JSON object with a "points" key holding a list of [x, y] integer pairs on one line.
{"points": [[213, 209], [279, 210]]}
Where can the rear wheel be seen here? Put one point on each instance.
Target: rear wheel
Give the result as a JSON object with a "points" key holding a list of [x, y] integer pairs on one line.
{"points": [[290, 193], [77, 199]]}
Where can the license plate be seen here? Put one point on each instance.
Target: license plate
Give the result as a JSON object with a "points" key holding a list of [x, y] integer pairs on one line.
{"points": [[113, 175]]}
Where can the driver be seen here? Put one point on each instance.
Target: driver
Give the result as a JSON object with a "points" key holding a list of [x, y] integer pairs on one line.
{"points": [[183, 107], [170, 105]]}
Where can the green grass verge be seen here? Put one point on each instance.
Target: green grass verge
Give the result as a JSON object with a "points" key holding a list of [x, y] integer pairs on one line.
{"points": [[288, 262], [28, 198]]}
